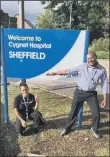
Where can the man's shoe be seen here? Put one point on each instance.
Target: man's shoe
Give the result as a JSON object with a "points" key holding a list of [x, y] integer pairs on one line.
{"points": [[96, 135], [63, 132]]}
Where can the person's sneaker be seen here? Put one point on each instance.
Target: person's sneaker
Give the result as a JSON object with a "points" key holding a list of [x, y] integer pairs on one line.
{"points": [[63, 132], [21, 134], [96, 135]]}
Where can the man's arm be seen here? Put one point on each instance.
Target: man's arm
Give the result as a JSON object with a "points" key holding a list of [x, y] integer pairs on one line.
{"points": [[104, 88], [72, 71], [64, 72]]}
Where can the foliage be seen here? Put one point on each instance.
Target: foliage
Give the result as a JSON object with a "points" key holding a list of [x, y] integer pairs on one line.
{"points": [[102, 44], [86, 14], [105, 20], [101, 47], [45, 20], [102, 54]]}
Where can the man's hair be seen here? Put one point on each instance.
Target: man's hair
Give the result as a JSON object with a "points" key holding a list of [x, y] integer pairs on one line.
{"points": [[23, 84], [93, 53]]}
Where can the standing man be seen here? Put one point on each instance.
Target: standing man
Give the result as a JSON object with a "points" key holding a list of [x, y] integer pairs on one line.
{"points": [[26, 108], [88, 75]]}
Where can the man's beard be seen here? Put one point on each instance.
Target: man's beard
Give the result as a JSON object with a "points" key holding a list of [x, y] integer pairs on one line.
{"points": [[94, 63]]}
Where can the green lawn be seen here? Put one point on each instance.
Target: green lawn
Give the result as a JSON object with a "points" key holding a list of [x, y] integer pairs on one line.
{"points": [[55, 109]]}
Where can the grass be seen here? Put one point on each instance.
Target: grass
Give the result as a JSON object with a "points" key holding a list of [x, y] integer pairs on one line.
{"points": [[55, 109]]}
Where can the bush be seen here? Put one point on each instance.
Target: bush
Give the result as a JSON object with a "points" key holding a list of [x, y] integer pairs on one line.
{"points": [[102, 54], [101, 47]]}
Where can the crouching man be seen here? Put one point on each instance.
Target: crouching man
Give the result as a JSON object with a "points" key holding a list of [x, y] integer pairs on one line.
{"points": [[25, 106]]}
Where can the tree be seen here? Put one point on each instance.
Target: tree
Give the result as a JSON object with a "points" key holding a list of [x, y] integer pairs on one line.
{"points": [[86, 14], [105, 21], [45, 20]]}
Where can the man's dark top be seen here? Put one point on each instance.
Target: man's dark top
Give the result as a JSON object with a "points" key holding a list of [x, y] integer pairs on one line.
{"points": [[20, 102]]}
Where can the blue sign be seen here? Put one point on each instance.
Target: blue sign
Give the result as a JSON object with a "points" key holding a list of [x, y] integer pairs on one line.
{"points": [[30, 52]]}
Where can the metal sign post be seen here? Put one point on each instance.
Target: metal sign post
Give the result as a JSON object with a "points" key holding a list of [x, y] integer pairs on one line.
{"points": [[6, 119], [21, 21], [80, 114]]}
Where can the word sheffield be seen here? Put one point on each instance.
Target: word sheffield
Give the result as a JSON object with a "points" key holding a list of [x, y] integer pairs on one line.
{"points": [[27, 55]]}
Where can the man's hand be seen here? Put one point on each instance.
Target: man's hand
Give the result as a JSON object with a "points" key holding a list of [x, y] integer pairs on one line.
{"points": [[103, 104], [63, 72], [23, 122], [51, 74]]}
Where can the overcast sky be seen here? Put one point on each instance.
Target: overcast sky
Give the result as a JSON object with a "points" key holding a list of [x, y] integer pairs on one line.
{"points": [[32, 8]]}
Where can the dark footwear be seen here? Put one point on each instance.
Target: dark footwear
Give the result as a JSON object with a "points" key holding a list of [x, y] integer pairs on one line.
{"points": [[63, 132], [96, 135], [21, 134], [36, 131]]}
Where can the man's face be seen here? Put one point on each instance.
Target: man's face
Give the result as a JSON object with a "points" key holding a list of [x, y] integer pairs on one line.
{"points": [[91, 59], [24, 91]]}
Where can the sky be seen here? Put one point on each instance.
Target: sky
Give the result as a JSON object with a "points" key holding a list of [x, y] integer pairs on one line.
{"points": [[31, 9]]}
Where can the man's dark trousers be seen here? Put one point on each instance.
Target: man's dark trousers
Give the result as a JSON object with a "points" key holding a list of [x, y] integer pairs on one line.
{"points": [[79, 97]]}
